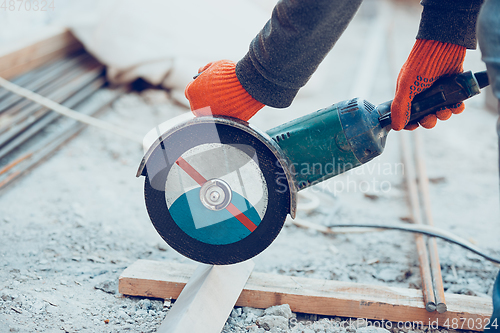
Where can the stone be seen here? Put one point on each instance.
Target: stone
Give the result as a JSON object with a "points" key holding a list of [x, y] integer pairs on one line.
{"points": [[141, 312], [5, 296], [157, 305], [39, 306], [269, 322], [145, 304], [108, 286], [251, 318], [255, 311], [388, 274], [279, 310], [122, 315], [236, 312]]}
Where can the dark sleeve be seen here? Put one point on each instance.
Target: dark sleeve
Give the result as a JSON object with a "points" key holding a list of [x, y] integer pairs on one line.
{"points": [[290, 47], [450, 21]]}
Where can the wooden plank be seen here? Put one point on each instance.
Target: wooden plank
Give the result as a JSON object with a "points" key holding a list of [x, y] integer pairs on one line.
{"points": [[325, 297], [30, 53]]}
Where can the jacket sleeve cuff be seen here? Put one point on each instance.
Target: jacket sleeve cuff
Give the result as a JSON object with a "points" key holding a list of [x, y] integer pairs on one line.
{"points": [[260, 88], [450, 23]]}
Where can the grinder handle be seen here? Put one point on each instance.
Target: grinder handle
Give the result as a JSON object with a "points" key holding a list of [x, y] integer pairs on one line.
{"points": [[445, 91]]}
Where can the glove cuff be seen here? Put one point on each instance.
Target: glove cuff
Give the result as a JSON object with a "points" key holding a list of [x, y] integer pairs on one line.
{"points": [[437, 58]]}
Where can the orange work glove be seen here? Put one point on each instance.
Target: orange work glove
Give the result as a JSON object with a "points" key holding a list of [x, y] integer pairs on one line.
{"points": [[428, 60], [218, 87]]}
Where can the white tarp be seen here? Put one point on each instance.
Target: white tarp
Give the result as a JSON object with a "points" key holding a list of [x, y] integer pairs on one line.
{"points": [[166, 41]]}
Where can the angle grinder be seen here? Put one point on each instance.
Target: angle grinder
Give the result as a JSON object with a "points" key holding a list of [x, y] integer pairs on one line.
{"points": [[218, 190]]}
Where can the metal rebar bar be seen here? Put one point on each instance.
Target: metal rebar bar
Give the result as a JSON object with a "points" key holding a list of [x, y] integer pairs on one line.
{"points": [[55, 83], [49, 145], [25, 78], [66, 87], [14, 163], [423, 184], [44, 80], [423, 255], [51, 116], [32, 96]]}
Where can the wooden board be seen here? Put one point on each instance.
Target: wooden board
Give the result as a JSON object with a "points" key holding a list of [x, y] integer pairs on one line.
{"points": [[324, 297], [27, 54]]}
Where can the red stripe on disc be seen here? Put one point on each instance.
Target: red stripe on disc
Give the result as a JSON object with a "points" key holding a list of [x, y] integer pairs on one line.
{"points": [[241, 217], [191, 171]]}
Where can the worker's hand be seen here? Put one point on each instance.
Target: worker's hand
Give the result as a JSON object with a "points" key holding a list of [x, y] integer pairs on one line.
{"points": [[218, 88], [427, 61]]}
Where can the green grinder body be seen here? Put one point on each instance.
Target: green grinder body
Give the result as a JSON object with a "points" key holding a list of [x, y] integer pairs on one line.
{"points": [[332, 140]]}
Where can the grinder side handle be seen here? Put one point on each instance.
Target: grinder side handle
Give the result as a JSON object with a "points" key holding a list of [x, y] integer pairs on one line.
{"points": [[444, 92]]}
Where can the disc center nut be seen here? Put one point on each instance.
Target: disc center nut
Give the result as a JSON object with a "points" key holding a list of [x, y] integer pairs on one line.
{"points": [[215, 194]]}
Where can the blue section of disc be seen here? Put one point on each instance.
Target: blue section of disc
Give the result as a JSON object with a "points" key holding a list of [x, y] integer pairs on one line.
{"points": [[212, 227]]}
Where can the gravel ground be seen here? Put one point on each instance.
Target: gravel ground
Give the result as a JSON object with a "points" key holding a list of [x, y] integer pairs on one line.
{"points": [[75, 223]]}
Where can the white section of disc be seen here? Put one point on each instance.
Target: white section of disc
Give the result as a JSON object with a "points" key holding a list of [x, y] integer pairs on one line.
{"points": [[220, 161]]}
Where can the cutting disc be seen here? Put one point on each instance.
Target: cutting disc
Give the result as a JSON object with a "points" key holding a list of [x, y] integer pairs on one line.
{"points": [[216, 190]]}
